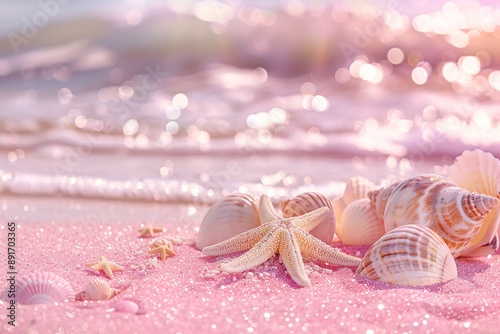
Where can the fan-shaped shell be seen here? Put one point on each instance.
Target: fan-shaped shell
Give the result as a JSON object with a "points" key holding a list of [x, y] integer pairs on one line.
{"points": [[41, 288], [356, 188], [409, 255], [480, 172], [97, 289], [307, 202], [359, 224], [232, 215], [454, 213]]}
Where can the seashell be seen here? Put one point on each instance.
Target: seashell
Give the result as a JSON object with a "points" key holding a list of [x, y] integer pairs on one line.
{"points": [[160, 242], [126, 306], [97, 289], [454, 213], [360, 225], [411, 255], [308, 202], [232, 215], [356, 188], [41, 288], [479, 171]]}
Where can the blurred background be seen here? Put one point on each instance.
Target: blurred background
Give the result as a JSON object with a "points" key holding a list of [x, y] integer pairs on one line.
{"points": [[188, 101]]}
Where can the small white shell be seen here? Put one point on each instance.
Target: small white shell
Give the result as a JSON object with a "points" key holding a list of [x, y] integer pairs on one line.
{"points": [[359, 224], [479, 171], [97, 289], [232, 215], [41, 288], [409, 255], [308, 202]]}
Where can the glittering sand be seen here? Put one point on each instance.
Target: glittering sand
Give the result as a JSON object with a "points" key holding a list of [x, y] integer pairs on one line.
{"points": [[185, 293]]}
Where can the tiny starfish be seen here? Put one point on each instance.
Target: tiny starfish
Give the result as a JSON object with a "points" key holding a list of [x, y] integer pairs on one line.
{"points": [[287, 236], [105, 266], [163, 247], [149, 231]]}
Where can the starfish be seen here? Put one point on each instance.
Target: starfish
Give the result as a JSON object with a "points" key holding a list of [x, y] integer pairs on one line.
{"points": [[105, 266], [149, 231], [163, 247], [287, 236]]}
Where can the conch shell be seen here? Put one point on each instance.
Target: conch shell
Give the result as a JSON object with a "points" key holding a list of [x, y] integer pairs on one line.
{"points": [[409, 255], [480, 172], [232, 215], [454, 213], [356, 188], [308, 202]]}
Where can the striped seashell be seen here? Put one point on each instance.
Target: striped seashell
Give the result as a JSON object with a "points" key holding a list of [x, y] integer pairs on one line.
{"points": [[232, 215], [356, 188], [479, 171], [429, 200], [359, 224], [97, 289], [411, 255], [41, 288], [162, 242], [308, 202]]}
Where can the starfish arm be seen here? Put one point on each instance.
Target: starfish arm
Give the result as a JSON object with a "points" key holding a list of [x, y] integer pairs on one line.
{"points": [[312, 247], [260, 253], [107, 270], [158, 250], [92, 264], [238, 243], [310, 220], [115, 266], [267, 212], [290, 253], [169, 251]]}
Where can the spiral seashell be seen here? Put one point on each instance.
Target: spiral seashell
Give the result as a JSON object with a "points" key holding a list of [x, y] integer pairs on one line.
{"points": [[454, 213], [411, 255], [359, 224], [41, 288], [308, 202], [232, 215], [479, 171], [97, 289], [356, 188]]}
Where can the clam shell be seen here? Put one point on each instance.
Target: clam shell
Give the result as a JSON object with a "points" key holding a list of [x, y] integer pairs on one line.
{"points": [[356, 188], [308, 202], [429, 200], [97, 289], [359, 224], [41, 288], [232, 215], [409, 255], [479, 171]]}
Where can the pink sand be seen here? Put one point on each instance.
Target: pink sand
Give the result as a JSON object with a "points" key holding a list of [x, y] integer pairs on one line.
{"points": [[177, 297]]}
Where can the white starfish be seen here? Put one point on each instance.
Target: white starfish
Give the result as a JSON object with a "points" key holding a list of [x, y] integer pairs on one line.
{"points": [[287, 236]]}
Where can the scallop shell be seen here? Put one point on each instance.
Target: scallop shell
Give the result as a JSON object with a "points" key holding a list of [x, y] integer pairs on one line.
{"points": [[356, 188], [41, 288], [308, 202], [97, 289], [409, 255], [454, 213], [480, 172], [359, 224], [232, 215]]}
